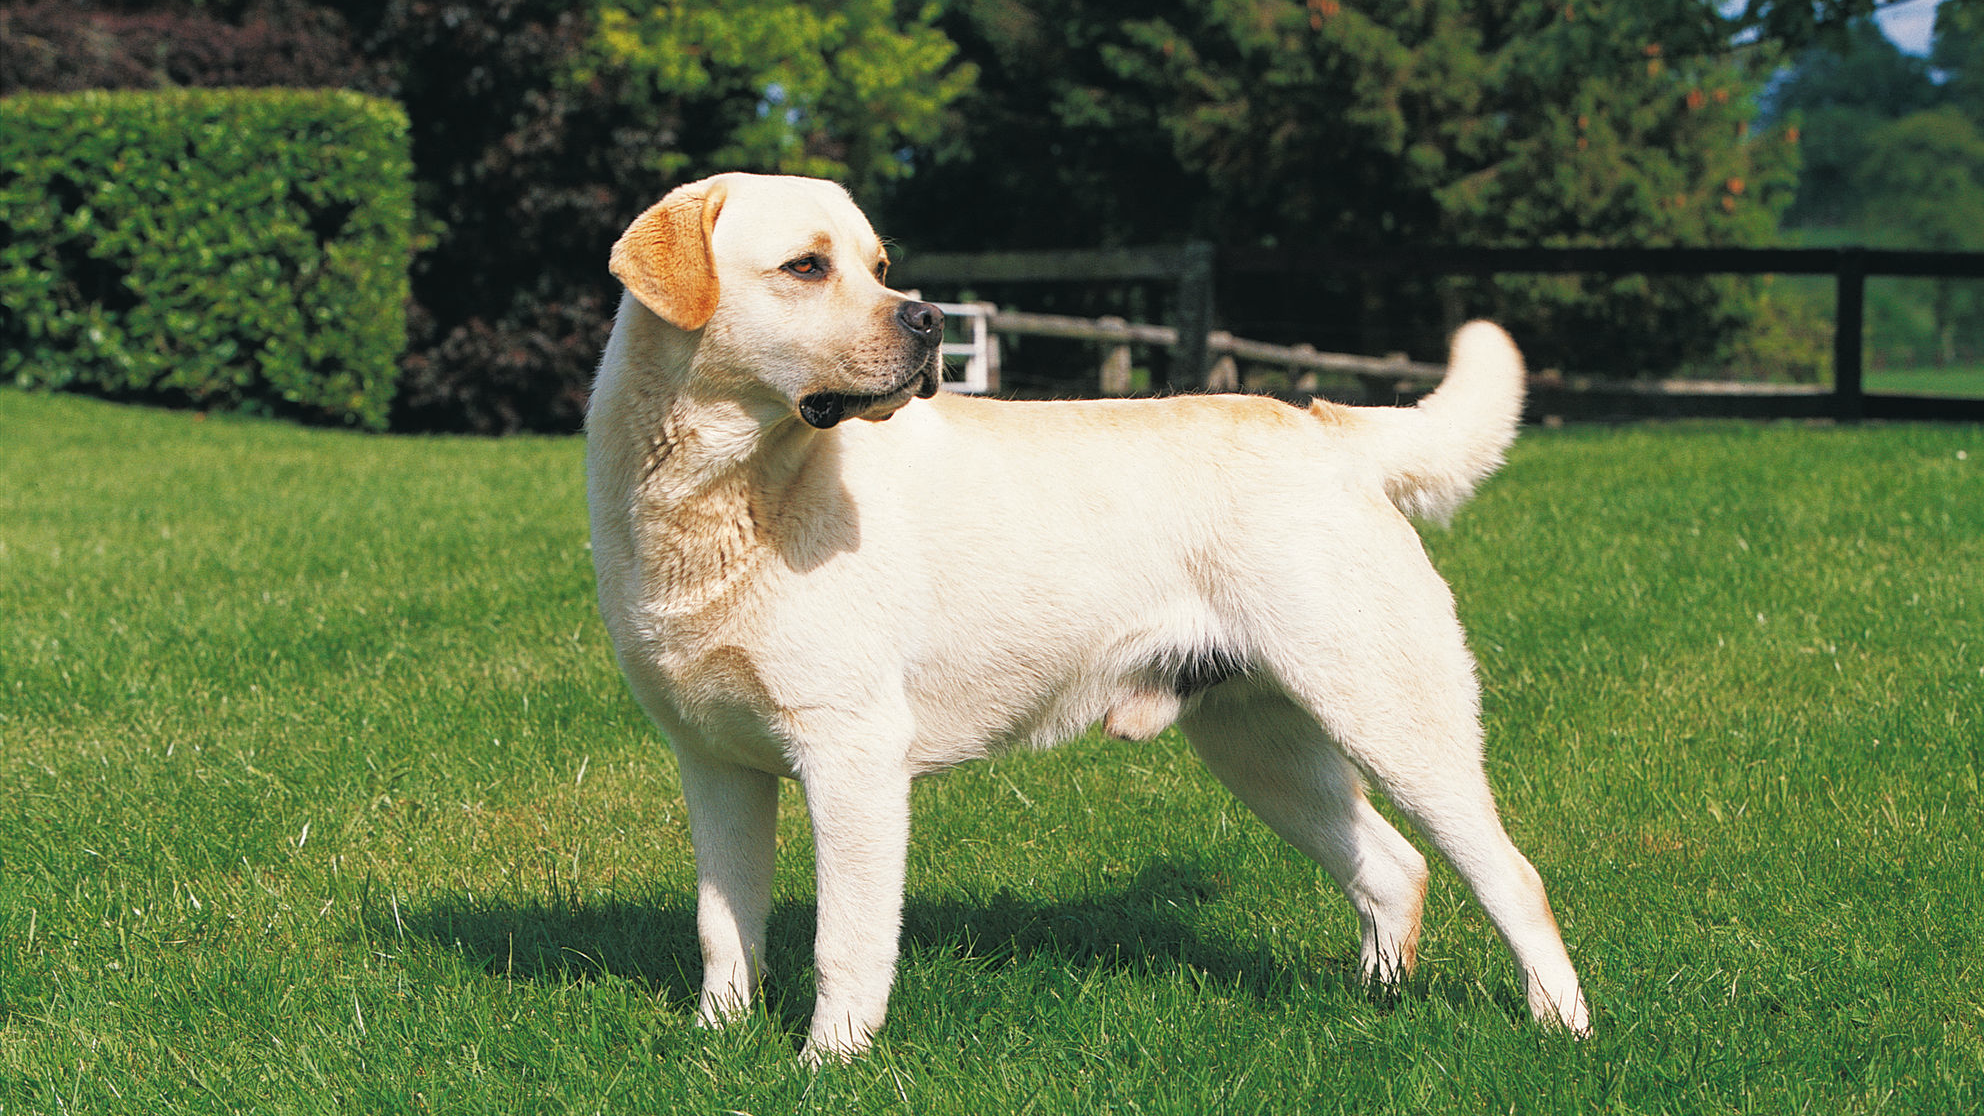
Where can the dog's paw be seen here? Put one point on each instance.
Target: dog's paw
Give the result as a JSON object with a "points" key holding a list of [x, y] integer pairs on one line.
{"points": [[835, 1044], [716, 1011], [1566, 1011], [1578, 1019]]}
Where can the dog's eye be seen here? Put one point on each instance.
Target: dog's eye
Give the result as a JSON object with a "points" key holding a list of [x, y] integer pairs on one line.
{"points": [[882, 272], [808, 267]]}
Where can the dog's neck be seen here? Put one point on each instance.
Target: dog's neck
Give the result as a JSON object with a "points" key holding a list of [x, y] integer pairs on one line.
{"points": [[696, 473]]}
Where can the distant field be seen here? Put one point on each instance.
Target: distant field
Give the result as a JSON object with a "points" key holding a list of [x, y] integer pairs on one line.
{"points": [[1959, 381], [319, 792]]}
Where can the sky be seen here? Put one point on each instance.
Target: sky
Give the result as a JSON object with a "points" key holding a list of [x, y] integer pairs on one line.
{"points": [[1908, 24]]}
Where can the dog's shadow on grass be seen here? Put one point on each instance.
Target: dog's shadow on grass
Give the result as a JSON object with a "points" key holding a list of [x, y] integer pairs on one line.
{"points": [[1149, 924], [1145, 926]]}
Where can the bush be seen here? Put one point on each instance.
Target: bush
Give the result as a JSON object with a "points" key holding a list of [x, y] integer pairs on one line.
{"points": [[233, 249], [1788, 338]]}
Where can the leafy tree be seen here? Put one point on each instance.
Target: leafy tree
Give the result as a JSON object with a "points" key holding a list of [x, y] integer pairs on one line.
{"points": [[1923, 179], [1957, 53], [1893, 152], [833, 89], [1369, 124], [541, 128], [1837, 94]]}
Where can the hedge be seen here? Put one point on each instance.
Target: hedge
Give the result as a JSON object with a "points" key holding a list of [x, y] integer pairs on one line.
{"points": [[229, 249]]}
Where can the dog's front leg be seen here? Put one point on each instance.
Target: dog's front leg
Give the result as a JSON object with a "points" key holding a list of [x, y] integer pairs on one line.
{"points": [[733, 822], [860, 809]]}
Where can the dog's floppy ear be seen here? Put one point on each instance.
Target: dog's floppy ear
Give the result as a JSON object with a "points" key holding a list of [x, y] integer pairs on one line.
{"points": [[664, 256]]}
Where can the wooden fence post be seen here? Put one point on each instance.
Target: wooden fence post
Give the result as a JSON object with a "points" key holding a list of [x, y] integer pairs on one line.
{"points": [[986, 311], [1195, 299], [1850, 300], [1224, 375], [1304, 379], [1115, 374]]}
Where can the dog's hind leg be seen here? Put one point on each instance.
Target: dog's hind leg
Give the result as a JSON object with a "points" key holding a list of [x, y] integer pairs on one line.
{"points": [[1274, 757], [1405, 712], [1456, 811], [733, 822]]}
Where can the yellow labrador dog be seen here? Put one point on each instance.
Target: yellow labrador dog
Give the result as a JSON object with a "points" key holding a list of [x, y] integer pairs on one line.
{"points": [[796, 587]]}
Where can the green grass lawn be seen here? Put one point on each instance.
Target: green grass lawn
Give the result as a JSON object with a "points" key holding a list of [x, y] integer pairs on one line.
{"points": [[319, 791]]}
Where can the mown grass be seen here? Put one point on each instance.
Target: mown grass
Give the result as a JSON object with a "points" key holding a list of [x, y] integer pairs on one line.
{"points": [[319, 790]]}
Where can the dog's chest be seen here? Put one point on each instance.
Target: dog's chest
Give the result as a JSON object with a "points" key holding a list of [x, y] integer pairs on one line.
{"points": [[713, 691], [694, 557]]}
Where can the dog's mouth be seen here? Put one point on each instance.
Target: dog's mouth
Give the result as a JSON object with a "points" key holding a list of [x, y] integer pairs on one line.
{"points": [[824, 409]]}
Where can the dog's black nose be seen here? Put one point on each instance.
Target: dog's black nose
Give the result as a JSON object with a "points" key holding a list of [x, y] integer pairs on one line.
{"points": [[924, 321]]}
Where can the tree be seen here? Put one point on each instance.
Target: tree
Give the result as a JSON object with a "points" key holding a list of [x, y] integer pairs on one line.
{"points": [[1923, 179], [1370, 124], [1957, 53], [833, 89], [541, 128], [1837, 95]]}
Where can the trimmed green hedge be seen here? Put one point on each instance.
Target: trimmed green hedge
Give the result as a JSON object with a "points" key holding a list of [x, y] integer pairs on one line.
{"points": [[233, 249]]}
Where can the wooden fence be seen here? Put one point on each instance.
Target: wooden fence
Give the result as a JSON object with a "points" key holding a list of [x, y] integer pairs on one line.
{"points": [[1193, 269], [1224, 350]]}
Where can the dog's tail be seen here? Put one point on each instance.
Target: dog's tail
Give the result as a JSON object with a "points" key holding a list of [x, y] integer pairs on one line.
{"points": [[1432, 455]]}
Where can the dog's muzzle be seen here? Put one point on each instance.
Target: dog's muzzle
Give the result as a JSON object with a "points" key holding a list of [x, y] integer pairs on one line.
{"points": [[925, 325], [823, 409]]}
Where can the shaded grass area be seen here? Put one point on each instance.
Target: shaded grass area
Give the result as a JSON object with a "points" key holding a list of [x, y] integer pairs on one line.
{"points": [[318, 788]]}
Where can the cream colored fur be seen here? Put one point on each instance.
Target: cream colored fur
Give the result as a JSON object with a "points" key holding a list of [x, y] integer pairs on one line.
{"points": [[852, 602]]}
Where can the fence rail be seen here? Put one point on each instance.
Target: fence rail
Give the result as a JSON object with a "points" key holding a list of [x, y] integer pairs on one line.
{"points": [[1192, 270], [1118, 335]]}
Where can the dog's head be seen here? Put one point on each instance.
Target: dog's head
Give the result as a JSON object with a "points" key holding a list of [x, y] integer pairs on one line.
{"points": [[783, 278]]}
